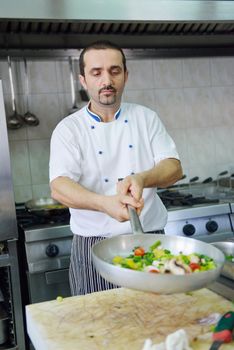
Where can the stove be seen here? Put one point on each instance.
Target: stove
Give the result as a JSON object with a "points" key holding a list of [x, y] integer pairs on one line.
{"points": [[179, 199], [27, 219], [210, 223], [48, 247], [44, 246], [198, 212], [205, 214]]}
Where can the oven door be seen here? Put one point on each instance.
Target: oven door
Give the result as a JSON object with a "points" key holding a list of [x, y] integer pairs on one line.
{"points": [[48, 285]]}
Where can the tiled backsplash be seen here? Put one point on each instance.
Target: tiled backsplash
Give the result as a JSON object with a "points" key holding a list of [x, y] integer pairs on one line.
{"points": [[193, 96]]}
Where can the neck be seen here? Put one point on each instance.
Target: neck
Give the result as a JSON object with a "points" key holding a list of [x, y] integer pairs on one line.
{"points": [[106, 113]]}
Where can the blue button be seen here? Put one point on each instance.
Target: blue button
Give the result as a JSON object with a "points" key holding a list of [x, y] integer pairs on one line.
{"points": [[126, 121], [106, 180], [100, 152], [92, 127], [130, 146]]}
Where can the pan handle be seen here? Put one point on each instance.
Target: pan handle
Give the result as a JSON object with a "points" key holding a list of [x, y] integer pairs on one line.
{"points": [[135, 221]]}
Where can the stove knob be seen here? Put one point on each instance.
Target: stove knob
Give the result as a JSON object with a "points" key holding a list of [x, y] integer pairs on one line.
{"points": [[189, 229], [52, 250], [212, 226]]}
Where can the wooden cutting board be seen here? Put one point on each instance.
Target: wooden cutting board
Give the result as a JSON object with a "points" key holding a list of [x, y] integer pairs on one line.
{"points": [[122, 319]]}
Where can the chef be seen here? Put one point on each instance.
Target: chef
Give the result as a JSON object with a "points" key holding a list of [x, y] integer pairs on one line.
{"points": [[95, 147]]}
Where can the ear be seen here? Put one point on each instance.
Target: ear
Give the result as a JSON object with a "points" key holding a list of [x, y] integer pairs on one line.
{"points": [[126, 76], [82, 81]]}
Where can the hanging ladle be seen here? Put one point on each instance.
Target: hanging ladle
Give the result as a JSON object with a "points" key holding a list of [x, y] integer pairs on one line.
{"points": [[29, 118], [73, 93], [15, 121]]}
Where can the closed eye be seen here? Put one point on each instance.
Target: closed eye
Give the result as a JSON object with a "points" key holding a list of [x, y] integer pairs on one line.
{"points": [[96, 72], [116, 70]]}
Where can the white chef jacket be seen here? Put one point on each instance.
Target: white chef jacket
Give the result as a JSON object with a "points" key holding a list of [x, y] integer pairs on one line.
{"points": [[97, 154]]}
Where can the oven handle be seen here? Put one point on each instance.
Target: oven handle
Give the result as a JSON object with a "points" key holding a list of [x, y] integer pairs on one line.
{"points": [[53, 264], [58, 276]]}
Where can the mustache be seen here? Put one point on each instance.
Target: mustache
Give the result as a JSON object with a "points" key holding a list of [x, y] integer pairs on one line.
{"points": [[108, 87]]}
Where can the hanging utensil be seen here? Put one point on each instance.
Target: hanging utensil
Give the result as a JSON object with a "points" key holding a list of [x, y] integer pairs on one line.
{"points": [[29, 118], [73, 93], [14, 121]]}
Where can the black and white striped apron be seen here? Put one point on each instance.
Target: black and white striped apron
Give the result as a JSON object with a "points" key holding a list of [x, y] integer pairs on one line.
{"points": [[83, 277]]}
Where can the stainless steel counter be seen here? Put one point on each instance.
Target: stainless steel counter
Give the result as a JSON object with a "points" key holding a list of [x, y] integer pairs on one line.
{"points": [[224, 287]]}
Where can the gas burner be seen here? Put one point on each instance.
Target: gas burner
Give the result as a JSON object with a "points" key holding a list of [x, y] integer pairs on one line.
{"points": [[26, 219], [179, 199]]}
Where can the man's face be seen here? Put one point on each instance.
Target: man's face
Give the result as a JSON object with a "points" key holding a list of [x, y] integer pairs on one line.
{"points": [[104, 76]]}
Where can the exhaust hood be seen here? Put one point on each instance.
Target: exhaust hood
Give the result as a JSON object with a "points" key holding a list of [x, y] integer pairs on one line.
{"points": [[145, 24]]}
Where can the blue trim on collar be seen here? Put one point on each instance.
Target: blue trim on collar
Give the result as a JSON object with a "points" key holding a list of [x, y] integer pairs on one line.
{"points": [[93, 115], [117, 114], [97, 118]]}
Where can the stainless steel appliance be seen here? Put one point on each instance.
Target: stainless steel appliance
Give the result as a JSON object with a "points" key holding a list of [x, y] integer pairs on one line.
{"points": [[188, 26], [232, 212], [13, 334], [207, 222], [207, 218], [45, 245]]}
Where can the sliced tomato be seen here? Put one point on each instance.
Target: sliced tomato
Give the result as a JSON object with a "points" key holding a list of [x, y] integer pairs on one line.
{"points": [[139, 251], [194, 266], [153, 270]]}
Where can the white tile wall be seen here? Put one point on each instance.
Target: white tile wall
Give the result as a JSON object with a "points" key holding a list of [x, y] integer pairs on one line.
{"points": [[222, 71], [171, 107], [141, 75], [197, 104], [196, 72], [42, 77], [167, 73], [144, 97], [193, 96], [19, 152]]}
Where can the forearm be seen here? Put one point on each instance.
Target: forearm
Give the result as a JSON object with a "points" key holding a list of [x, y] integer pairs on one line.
{"points": [[164, 174], [73, 195]]}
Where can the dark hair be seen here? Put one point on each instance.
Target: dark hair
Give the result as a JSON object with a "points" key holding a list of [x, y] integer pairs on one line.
{"points": [[100, 45]]}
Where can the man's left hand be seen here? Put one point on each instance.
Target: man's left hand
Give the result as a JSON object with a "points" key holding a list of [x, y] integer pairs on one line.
{"points": [[132, 185]]}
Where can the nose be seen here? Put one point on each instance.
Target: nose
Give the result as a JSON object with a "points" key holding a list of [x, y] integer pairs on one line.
{"points": [[106, 78]]}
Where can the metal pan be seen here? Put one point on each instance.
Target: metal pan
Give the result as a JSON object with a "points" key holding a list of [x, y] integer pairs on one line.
{"points": [[104, 251], [45, 207], [227, 247]]}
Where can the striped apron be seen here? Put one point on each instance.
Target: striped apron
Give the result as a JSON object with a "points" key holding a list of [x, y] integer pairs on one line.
{"points": [[83, 277]]}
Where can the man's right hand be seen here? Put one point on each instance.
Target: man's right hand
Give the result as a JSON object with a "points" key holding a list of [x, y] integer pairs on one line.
{"points": [[116, 206]]}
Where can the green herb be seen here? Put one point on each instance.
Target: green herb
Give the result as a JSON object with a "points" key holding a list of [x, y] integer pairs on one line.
{"points": [[229, 257], [155, 245]]}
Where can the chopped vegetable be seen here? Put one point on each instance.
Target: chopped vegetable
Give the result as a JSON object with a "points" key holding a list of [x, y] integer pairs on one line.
{"points": [[194, 266], [139, 251], [229, 258], [159, 260], [155, 245], [59, 298]]}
